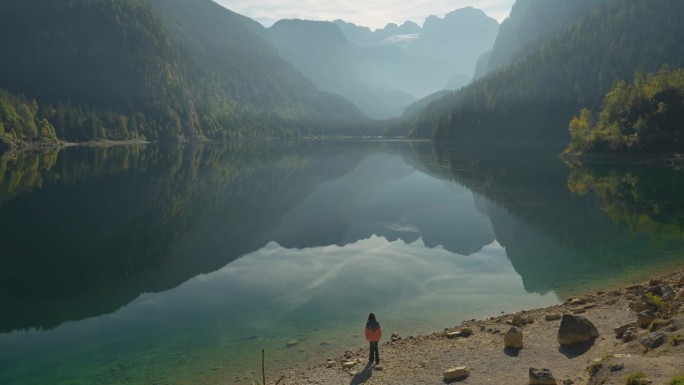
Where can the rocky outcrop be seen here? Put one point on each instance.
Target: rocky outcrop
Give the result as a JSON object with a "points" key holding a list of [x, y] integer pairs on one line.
{"points": [[575, 329]]}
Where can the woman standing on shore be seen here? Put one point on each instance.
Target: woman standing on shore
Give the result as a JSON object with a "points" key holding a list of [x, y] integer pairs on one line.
{"points": [[373, 335]]}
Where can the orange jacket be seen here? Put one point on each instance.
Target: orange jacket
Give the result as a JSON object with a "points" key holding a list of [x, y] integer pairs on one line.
{"points": [[373, 331]]}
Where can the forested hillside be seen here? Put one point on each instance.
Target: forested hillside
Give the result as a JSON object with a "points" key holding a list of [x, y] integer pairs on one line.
{"points": [[533, 100], [532, 24], [125, 69]]}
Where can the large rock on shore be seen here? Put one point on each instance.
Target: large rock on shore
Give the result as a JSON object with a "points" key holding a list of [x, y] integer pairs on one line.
{"points": [[513, 338], [575, 329]]}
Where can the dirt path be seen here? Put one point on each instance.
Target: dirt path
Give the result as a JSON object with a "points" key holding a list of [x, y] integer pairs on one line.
{"points": [[423, 359]]}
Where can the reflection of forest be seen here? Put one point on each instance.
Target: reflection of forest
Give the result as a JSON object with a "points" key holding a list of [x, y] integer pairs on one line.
{"points": [[554, 237], [647, 198], [85, 231]]}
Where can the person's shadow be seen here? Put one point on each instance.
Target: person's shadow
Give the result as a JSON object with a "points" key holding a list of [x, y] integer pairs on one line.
{"points": [[363, 375]]}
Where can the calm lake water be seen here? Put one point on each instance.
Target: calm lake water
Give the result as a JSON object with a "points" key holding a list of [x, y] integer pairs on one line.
{"points": [[177, 265]]}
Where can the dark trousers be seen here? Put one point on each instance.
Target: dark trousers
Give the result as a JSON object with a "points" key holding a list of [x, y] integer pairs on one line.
{"points": [[374, 353]]}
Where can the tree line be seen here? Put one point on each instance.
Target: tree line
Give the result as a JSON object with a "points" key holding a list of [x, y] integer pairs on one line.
{"points": [[644, 115]]}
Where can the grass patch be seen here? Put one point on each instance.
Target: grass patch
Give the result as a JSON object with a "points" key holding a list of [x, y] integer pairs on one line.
{"points": [[678, 380], [676, 340], [638, 378], [594, 368]]}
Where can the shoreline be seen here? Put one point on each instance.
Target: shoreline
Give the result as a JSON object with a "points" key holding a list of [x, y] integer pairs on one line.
{"points": [[422, 359]]}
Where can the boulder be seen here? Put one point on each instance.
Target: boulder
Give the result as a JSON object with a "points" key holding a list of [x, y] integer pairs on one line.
{"points": [[541, 377], [645, 318], [456, 373], [513, 338], [653, 340], [630, 334], [575, 329], [655, 290], [669, 293], [552, 317], [620, 330]]}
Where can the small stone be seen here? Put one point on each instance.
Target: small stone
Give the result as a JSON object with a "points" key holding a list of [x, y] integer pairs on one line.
{"points": [[291, 343], [452, 335], [456, 373], [639, 306], [378, 368], [680, 295], [541, 377], [466, 332], [669, 293], [575, 329], [620, 330], [645, 318], [616, 367], [578, 301], [653, 340], [635, 288], [630, 334], [348, 364], [395, 337], [513, 338], [552, 317]]}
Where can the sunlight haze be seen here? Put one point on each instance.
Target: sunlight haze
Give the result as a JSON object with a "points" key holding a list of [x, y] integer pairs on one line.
{"points": [[375, 14]]}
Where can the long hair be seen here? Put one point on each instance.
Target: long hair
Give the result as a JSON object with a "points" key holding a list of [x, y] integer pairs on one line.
{"points": [[371, 317]]}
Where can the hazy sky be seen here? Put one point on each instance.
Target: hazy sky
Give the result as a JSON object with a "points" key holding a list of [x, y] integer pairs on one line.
{"points": [[368, 13]]}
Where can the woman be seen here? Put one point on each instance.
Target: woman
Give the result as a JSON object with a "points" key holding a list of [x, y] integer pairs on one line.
{"points": [[373, 334]]}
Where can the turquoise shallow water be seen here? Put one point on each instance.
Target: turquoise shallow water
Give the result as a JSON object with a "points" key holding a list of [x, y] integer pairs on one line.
{"points": [[153, 265]]}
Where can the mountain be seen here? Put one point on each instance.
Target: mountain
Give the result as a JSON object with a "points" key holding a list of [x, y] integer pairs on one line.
{"points": [[442, 56], [363, 37], [155, 69], [532, 24], [319, 50], [533, 100]]}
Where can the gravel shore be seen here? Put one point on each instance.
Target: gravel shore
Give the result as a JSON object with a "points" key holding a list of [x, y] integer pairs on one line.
{"points": [[479, 346]]}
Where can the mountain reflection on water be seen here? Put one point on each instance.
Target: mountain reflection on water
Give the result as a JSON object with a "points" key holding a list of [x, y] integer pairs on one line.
{"points": [[88, 230]]}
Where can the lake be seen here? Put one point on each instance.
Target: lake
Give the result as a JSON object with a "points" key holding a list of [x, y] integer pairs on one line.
{"points": [[178, 264]]}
